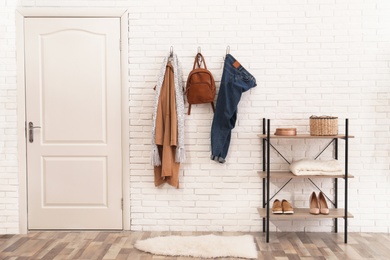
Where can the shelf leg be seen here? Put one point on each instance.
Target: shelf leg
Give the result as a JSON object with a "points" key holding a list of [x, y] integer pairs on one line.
{"points": [[263, 203], [346, 183], [264, 169], [336, 204], [268, 176], [264, 227], [336, 183]]}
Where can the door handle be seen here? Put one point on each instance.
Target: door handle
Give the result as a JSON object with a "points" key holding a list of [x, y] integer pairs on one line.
{"points": [[31, 131]]}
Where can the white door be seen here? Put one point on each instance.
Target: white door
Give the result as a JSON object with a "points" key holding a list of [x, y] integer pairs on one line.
{"points": [[73, 94]]}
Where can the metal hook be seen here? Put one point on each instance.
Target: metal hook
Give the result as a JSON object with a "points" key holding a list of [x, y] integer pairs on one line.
{"points": [[199, 55], [171, 51], [227, 51]]}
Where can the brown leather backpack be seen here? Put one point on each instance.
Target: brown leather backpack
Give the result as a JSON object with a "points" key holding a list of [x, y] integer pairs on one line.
{"points": [[200, 86]]}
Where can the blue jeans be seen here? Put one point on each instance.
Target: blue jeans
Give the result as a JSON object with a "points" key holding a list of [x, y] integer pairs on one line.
{"points": [[235, 80]]}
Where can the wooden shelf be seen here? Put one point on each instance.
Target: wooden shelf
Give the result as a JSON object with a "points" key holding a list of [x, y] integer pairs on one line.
{"points": [[289, 175], [305, 136], [303, 213]]}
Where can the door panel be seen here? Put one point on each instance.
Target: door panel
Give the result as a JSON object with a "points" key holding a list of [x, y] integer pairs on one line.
{"points": [[73, 67], [73, 94], [60, 189]]}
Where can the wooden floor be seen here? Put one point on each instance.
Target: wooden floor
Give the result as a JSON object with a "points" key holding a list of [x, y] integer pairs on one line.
{"points": [[119, 245]]}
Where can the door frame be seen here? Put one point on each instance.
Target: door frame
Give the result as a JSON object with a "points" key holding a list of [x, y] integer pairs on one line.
{"points": [[20, 15]]}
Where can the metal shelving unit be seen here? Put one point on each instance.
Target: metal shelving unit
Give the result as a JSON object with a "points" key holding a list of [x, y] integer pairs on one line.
{"points": [[300, 213]]}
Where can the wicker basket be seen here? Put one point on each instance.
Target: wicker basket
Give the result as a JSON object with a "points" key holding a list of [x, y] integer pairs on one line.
{"points": [[323, 125]]}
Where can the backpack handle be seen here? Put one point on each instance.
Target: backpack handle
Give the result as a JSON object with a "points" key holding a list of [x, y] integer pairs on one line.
{"points": [[199, 59]]}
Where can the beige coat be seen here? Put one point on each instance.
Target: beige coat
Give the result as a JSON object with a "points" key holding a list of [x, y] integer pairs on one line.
{"points": [[166, 132]]}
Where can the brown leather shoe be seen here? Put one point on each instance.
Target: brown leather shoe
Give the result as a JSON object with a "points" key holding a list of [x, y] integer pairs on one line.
{"points": [[277, 207], [323, 205], [287, 208], [314, 208]]}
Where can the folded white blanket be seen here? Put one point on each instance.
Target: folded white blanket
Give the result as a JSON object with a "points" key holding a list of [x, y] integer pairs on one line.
{"points": [[316, 167]]}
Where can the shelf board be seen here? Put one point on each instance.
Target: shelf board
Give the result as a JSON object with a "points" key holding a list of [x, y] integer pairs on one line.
{"points": [[303, 213], [305, 136], [288, 175]]}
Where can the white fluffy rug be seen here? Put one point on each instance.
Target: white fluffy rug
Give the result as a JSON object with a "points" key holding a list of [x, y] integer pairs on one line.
{"points": [[208, 246]]}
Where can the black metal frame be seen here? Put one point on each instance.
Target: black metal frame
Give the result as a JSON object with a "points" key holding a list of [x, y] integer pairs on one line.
{"points": [[266, 142]]}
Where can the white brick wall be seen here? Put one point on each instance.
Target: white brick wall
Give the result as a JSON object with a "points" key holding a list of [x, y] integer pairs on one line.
{"points": [[9, 221], [323, 57]]}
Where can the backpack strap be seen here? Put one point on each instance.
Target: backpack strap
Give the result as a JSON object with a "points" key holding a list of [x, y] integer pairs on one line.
{"points": [[195, 62], [199, 59]]}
